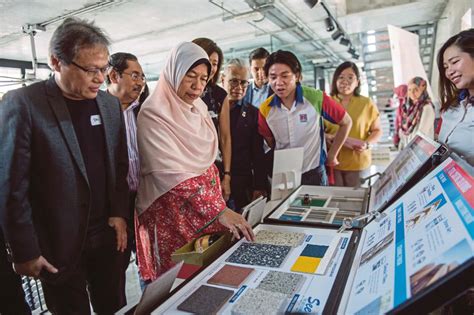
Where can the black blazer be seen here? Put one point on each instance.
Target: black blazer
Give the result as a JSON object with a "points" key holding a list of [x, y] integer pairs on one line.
{"points": [[44, 204]]}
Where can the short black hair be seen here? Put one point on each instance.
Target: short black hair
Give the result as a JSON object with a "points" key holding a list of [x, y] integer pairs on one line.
{"points": [[259, 53], [285, 57], [118, 62], [72, 35]]}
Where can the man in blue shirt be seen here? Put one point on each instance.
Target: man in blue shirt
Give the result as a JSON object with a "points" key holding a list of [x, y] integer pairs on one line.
{"points": [[259, 89]]}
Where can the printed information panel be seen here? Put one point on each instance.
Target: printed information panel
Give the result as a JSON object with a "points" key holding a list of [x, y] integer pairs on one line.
{"points": [[287, 269], [407, 162], [424, 236]]}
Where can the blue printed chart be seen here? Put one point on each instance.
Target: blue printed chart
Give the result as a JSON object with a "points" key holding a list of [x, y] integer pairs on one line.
{"points": [[425, 235], [268, 276]]}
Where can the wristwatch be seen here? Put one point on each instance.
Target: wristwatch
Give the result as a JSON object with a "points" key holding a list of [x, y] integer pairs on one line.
{"points": [[226, 173]]}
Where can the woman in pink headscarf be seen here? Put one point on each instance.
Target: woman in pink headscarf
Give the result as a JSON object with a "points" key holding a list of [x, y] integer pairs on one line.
{"points": [[179, 196], [415, 112]]}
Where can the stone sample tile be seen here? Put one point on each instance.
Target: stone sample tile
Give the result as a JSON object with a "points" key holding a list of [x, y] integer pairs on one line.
{"points": [[282, 282], [231, 276], [259, 254], [256, 301], [292, 239], [206, 300]]}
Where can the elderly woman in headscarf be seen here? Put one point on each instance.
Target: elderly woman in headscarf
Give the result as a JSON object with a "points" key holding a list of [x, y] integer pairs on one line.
{"points": [[179, 196], [415, 112]]}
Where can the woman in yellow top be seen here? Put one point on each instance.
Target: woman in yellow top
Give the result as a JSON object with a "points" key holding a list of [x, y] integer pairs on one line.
{"points": [[355, 156]]}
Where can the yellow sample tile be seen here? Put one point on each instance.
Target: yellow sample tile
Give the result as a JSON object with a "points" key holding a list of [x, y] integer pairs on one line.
{"points": [[306, 264]]}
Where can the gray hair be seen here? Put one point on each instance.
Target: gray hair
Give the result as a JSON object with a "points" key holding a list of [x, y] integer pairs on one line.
{"points": [[235, 62], [74, 34]]}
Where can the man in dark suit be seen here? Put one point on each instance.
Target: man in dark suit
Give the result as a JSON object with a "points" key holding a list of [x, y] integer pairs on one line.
{"points": [[247, 167], [64, 160], [12, 296]]}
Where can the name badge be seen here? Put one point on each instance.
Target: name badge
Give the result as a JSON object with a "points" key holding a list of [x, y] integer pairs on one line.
{"points": [[95, 120], [303, 118]]}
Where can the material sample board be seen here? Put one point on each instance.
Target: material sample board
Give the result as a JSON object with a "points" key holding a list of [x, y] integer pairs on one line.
{"points": [[206, 300], [260, 275], [260, 255], [230, 275]]}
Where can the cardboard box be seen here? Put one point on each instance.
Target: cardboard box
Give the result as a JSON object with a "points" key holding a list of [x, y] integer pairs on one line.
{"points": [[187, 253]]}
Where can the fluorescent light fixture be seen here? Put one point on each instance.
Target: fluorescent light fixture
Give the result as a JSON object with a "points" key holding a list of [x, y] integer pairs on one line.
{"points": [[245, 16]]}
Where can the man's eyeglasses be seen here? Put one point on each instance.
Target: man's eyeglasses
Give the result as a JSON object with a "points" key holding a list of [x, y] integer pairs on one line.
{"points": [[236, 82], [92, 72], [136, 76]]}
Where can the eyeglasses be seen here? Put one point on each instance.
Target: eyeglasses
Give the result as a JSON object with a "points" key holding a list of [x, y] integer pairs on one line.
{"points": [[349, 79], [236, 82], [136, 76], [92, 72]]}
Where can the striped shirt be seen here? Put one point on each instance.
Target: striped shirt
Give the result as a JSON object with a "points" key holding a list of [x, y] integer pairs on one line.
{"points": [[133, 160], [300, 126]]}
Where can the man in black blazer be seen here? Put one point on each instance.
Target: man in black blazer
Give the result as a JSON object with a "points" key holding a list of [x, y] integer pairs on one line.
{"points": [[247, 168], [64, 166]]}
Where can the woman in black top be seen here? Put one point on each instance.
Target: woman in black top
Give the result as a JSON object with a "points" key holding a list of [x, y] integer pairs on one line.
{"points": [[217, 103]]}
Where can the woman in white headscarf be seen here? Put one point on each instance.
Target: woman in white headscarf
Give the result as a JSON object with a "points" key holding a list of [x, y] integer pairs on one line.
{"points": [[179, 196]]}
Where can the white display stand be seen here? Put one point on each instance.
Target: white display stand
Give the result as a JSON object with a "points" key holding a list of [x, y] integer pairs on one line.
{"points": [[415, 257]]}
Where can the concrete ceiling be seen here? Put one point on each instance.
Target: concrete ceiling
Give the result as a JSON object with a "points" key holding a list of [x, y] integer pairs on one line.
{"points": [[150, 28]]}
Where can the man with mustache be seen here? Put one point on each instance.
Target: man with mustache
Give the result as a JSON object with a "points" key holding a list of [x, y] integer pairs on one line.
{"points": [[125, 80]]}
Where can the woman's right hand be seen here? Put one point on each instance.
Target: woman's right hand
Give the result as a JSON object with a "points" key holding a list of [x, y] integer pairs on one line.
{"points": [[236, 224]]}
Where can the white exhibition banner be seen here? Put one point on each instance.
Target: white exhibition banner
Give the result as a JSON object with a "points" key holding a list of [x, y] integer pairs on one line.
{"points": [[406, 60]]}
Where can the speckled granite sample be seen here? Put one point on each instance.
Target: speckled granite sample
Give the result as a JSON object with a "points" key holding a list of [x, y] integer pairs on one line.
{"points": [[256, 301], [206, 300], [259, 254], [231, 276], [293, 239], [282, 282]]}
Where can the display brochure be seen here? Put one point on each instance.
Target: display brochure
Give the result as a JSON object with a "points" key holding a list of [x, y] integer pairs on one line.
{"points": [[288, 269], [402, 169], [424, 236]]}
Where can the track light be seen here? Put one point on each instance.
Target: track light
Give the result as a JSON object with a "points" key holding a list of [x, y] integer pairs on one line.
{"points": [[329, 24], [311, 3], [338, 33], [344, 41], [353, 52]]}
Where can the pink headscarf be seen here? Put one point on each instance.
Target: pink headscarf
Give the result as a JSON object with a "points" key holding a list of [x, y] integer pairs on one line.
{"points": [[176, 140]]}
